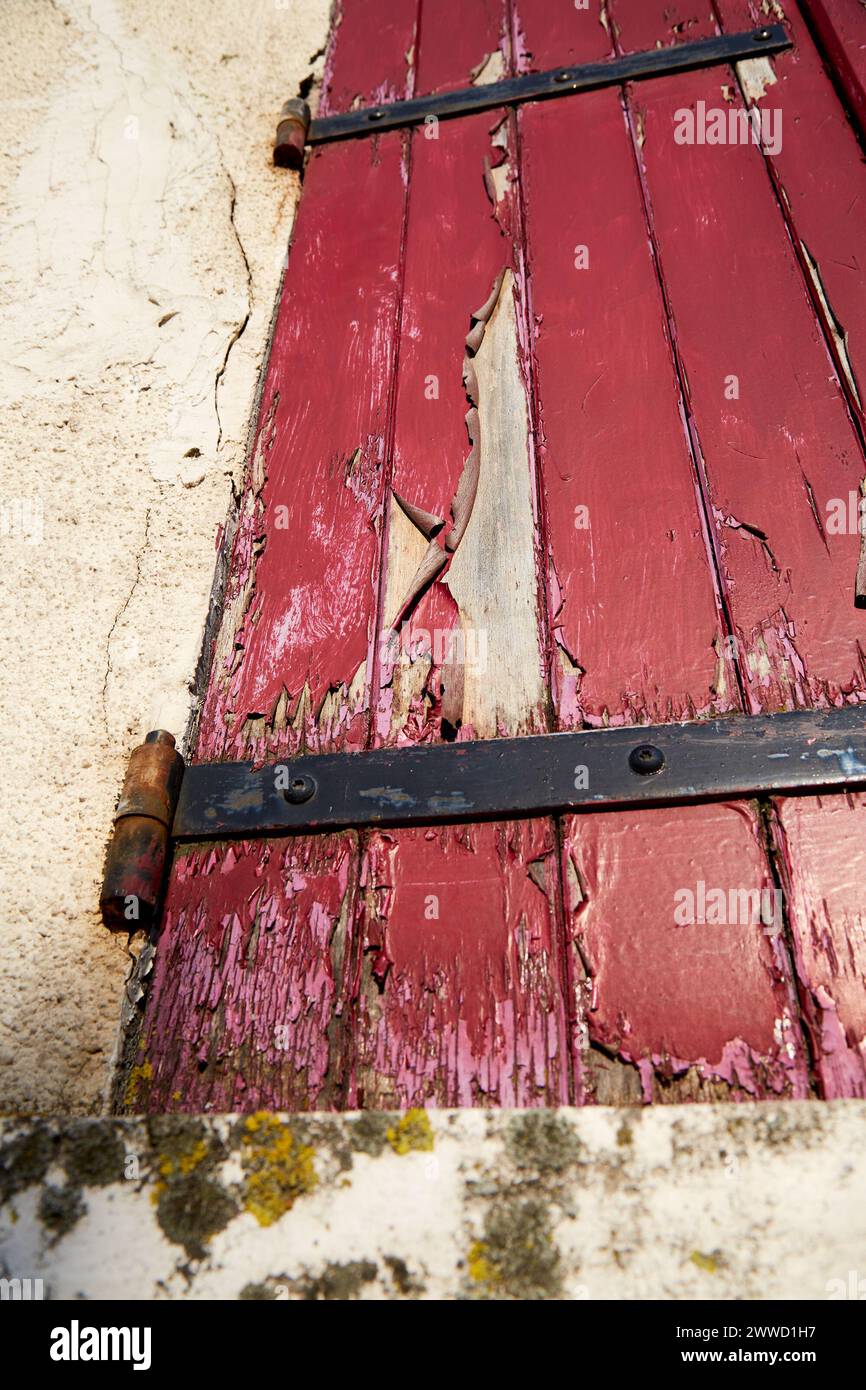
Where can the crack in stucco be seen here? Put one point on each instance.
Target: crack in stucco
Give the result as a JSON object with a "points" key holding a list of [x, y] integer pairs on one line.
{"points": [[242, 326], [140, 553]]}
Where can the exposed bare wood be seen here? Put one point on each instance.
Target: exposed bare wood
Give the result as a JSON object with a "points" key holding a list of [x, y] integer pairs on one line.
{"points": [[492, 575]]}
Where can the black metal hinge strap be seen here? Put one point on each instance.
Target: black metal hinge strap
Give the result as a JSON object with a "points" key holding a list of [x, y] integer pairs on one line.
{"points": [[558, 82], [806, 751]]}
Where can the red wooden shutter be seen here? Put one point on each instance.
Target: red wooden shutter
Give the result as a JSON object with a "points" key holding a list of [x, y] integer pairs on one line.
{"points": [[663, 401]]}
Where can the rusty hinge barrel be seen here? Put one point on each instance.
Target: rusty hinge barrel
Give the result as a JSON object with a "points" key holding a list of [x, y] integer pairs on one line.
{"points": [[137, 855], [292, 134]]}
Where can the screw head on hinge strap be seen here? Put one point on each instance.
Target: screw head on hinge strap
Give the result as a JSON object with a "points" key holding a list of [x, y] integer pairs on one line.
{"points": [[300, 789], [646, 758]]}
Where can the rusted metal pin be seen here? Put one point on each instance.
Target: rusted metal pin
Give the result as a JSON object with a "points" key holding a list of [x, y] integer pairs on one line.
{"points": [[137, 854], [292, 134]]}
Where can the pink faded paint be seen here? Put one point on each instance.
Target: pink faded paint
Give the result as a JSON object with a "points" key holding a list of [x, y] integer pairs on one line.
{"points": [[248, 977], [461, 1000]]}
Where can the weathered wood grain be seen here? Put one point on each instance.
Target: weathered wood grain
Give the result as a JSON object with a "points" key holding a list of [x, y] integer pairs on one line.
{"points": [[461, 1001], [250, 979]]}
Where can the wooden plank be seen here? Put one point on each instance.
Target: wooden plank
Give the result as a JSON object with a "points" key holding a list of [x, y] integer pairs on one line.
{"points": [[686, 973], [640, 620], [840, 27], [786, 445], [246, 992], [372, 54], [453, 223], [637, 621], [820, 179], [460, 997], [820, 176], [290, 665], [460, 991]]}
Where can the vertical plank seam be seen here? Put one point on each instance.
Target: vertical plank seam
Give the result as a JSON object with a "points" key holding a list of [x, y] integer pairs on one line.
{"points": [[354, 970], [774, 839], [770, 819], [565, 966], [696, 455]]}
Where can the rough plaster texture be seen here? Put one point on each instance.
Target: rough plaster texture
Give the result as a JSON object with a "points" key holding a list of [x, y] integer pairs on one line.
{"points": [[723, 1202], [144, 233]]}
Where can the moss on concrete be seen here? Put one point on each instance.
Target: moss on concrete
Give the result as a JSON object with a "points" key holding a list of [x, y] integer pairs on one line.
{"points": [[191, 1209], [412, 1132], [25, 1159], [540, 1140], [339, 1282], [92, 1155], [61, 1208], [369, 1133], [517, 1256], [402, 1277], [279, 1168]]}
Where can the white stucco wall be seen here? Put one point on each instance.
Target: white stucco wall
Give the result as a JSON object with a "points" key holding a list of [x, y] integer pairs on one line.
{"points": [[143, 234]]}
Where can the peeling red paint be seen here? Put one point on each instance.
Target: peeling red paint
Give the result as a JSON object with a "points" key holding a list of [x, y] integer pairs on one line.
{"points": [[313, 537], [625, 528], [740, 308], [466, 1007], [371, 55], [819, 177], [248, 977]]}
